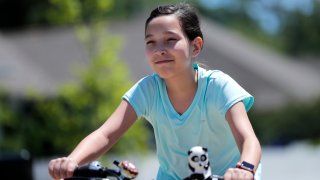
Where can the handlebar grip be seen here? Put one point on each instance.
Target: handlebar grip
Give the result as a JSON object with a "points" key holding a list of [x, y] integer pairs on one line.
{"points": [[215, 177], [93, 169], [197, 176]]}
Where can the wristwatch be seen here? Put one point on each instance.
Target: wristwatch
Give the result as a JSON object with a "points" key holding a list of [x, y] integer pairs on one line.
{"points": [[246, 166]]}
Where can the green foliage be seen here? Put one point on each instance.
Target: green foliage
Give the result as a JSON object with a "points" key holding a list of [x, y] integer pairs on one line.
{"points": [[298, 35], [17, 13], [301, 32], [124, 9], [291, 123], [238, 20], [61, 12], [75, 11], [54, 125]]}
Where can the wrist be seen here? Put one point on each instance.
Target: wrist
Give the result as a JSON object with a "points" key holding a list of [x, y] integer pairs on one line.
{"points": [[246, 166], [72, 160]]}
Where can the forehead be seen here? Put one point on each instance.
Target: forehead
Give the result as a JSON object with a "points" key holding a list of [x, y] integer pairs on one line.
{"points": [[162, 24]]}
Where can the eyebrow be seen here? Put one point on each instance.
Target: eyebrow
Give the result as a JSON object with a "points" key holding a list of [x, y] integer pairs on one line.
{"points": [[166, 32]]}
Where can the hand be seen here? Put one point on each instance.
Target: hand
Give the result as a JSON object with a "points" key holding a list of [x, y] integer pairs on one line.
{"points": [[61, 168], [238, 174]]}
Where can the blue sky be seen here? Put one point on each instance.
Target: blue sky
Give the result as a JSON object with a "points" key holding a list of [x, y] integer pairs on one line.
{"points": [[261, 11]]}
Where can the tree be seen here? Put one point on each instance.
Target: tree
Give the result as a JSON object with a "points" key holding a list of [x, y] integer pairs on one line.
{"points": [[297, 34], [54, 125], [301, 32]]}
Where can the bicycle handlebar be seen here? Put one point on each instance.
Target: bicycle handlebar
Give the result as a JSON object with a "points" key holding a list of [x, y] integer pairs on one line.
{"points": [[201, 177], [216, 177], [94, 171], [125, 171]]}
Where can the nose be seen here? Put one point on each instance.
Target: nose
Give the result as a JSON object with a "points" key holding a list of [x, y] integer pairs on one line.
{"points": [[160, 50]]}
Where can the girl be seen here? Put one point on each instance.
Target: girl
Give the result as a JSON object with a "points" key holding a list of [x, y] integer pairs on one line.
{"points": [[186, 105]]}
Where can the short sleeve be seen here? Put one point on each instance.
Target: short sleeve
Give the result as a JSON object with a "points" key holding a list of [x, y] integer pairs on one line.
{"points": [[228, 92], [140, 96]]}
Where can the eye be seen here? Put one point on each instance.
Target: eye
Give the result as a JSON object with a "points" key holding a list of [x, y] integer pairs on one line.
{"points": [[203, 157], [195, 158], [171, 39], [150, 42]]}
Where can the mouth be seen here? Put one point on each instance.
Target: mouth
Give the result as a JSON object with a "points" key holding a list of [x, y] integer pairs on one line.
{"points": [[163, 61]]}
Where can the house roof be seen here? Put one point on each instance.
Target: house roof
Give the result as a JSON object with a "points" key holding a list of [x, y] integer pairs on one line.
{"points": [[42, 59]]}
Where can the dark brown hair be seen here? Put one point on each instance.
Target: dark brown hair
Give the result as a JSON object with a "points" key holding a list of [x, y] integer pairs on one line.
{"points": [[186, 15]]}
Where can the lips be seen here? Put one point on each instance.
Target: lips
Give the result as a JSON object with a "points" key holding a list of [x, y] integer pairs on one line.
{"points": [[163, 61]]}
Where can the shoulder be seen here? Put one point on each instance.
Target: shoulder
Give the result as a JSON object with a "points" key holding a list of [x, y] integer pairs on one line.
{"points": [[214, 76], [147, 85], [141, 96], [148, 81]]}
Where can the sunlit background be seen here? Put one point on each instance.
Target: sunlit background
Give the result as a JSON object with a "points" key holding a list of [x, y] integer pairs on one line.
{"points": [[64, 66]]}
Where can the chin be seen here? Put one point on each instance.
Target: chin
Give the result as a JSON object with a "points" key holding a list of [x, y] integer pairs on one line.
{"points": [[164, 72], [164, 75]]}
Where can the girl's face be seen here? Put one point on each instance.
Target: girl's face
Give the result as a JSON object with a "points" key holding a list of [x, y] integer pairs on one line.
{"points": [[168, 50]]}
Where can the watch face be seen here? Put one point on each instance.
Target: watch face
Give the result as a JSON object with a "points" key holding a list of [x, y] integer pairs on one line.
{"points": [[247, 165]]}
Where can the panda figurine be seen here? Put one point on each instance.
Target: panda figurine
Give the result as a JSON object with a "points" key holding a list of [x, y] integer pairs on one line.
{"points": [[199, 164]]}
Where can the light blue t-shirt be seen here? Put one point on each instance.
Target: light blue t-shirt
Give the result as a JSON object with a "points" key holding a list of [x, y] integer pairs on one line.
{"points": [[202, 124]]}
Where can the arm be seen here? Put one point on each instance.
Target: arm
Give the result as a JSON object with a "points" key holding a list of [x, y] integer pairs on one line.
{"points": [[102, 139], [245, 137], [95, 144]]}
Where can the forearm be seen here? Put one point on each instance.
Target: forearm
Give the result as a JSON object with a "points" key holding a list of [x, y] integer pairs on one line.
{"points": [[101, 140], [91, 147], [95, 144], [250, 150], [246, 140]]}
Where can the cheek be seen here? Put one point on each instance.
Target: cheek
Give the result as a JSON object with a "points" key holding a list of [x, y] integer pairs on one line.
{"points": [[148, 53], [182, 49]]}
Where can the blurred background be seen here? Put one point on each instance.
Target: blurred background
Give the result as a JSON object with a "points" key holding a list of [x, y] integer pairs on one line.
{"points": [[64, 66]]}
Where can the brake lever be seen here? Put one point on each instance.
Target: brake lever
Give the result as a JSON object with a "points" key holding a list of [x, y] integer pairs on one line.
{"points": [[128, 169]]}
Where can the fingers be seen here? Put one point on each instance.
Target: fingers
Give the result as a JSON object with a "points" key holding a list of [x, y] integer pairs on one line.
{"points": [[238, 174], [61, 168]]}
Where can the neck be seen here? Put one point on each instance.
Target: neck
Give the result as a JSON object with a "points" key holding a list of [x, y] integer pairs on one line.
{"points": [[182, 89], [184, 84]]}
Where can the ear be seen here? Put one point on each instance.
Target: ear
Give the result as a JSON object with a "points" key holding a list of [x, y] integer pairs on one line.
{"points": [[189, 152], [205, 149], [196, 44]]}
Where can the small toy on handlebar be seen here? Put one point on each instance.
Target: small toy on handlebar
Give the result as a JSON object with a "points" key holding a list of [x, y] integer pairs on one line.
{"points": [[199, 164]]}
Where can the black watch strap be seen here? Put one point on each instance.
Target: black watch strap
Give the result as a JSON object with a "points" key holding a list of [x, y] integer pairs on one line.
{"points": [[246, 166]]}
